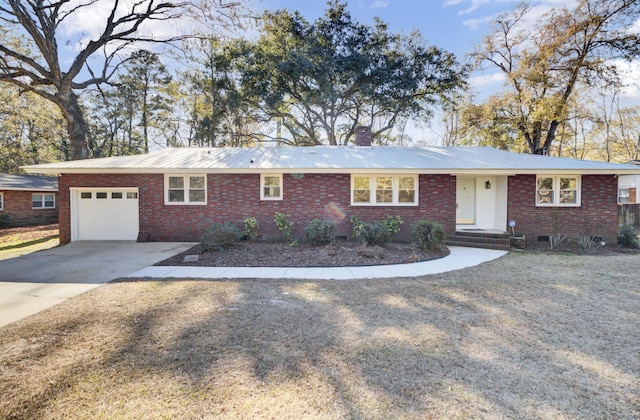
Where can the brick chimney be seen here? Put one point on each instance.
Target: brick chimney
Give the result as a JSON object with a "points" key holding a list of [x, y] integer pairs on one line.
{"points": [[363, 135]]}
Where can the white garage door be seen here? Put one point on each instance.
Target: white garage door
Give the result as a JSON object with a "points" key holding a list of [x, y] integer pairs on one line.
{"points": [[105, 214]]}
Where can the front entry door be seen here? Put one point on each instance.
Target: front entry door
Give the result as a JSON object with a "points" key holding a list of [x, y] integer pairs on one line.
{"points": [[466, 201]]}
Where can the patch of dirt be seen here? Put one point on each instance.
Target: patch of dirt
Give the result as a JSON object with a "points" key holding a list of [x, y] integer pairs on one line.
{"points": [[268, 254]]}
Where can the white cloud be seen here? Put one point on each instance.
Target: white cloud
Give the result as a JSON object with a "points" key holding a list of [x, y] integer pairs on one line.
{"points": [[475, 24], [379, 4], [630, 75], [485, 81], [635, 28]]}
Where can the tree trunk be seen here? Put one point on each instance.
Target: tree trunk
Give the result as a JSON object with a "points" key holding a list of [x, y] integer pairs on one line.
{"points": [[76, 125]]}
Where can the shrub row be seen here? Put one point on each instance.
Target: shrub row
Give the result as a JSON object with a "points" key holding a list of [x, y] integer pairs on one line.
{"points": [[425, 234]]}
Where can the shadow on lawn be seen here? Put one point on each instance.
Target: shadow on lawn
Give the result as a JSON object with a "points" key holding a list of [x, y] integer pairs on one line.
{"points": [[471, 343], [28, 243]]}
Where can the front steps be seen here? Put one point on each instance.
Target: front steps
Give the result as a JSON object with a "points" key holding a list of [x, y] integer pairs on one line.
{"points": [[480, 239]]}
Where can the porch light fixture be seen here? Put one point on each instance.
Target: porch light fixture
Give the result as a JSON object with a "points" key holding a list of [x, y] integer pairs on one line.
{"points": [[487, 185]]}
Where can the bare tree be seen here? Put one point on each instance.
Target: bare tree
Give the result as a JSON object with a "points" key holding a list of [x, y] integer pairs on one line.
{"points": [[546, 60], [33, 30]]}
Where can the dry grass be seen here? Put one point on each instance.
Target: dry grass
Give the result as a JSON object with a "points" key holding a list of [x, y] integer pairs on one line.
{"points": [[23, 240], [525, 336]]}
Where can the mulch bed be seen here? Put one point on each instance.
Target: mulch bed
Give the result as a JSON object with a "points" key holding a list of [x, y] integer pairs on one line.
{"points": [[341, 254]]}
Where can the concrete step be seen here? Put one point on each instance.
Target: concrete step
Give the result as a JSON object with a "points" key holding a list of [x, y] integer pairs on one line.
{"points": [[486, 241]]}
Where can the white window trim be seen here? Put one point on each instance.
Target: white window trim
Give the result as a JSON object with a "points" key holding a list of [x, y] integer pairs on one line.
{"points": [[262, 196], [628, 197], [556, 191], [1, 201], [395, 190], [43, 201], [186, 201]]}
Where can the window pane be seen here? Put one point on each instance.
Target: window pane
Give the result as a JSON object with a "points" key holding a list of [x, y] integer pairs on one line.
{"points": [[384, 192], [568, 183], [545, 183], [101, 195], [384, 183], [545, 191], [407, 183], [271, 181], [176, 182], [361, 196], [176, 196], [407, 190], [132, 195], [196, 182], [568, 191], [116, 195], [272, 192], [85, 195], [623, 196], [406, 196], [49, 201], [361, 183], [196, 196]]}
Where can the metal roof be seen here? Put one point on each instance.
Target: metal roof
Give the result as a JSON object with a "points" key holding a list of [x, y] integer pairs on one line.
{"points": [[334, 159], [28, 183]]}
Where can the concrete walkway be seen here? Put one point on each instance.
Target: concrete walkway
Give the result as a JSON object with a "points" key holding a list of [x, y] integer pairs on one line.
{"points": [[460, 257]]}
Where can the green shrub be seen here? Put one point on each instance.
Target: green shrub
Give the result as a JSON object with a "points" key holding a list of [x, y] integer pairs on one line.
{"points": [[251, 228], [319, 232], [220, 235], [285, 226], [628, 236], [427, 235], [376, 234], [4, 220], [392, 223]]}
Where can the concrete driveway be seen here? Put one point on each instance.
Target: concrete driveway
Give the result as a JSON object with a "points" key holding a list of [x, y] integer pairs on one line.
{"points": [[33, 282]]}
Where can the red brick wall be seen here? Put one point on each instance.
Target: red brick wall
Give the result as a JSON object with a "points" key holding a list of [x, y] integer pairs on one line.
{"points": [[597, 216], [232, 198], [17, 205]]}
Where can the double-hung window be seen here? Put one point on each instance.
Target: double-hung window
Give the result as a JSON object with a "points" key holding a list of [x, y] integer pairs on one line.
{"points": [[384, 190], [186, 189], [43, 201], [271, 187], [623, 196], [558, 191]]}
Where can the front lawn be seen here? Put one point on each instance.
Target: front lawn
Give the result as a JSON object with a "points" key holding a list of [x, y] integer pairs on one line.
{"points": [[524, 336], [18, 241]]}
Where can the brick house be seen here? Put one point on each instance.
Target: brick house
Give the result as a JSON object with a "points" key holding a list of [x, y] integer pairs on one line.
{"points": [[28, 199], [174, 194]]}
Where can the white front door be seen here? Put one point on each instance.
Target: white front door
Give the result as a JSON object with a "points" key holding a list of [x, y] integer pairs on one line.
{"points": [[466, 201], [105, 214]]}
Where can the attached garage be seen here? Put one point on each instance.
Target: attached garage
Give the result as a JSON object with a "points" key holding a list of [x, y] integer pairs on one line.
{"points": [[104, 214]]}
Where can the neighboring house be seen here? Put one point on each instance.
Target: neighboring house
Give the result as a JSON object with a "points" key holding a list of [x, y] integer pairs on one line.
{"points": [[174, 194], [629, 198], [28, 199], [629, 187]]}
